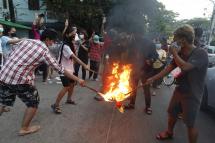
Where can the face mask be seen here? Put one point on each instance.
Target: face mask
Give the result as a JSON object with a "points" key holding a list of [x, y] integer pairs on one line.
{"points": [[13, 34], [1, 29], [52, 46], [41, 31], [158, 46], [81, 36]]}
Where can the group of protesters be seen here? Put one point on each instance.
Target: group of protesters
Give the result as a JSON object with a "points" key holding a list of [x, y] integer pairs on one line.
{"points": [[22, 57]]}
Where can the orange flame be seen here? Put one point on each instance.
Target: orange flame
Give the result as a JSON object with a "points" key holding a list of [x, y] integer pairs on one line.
{"points": [[119, 83]]}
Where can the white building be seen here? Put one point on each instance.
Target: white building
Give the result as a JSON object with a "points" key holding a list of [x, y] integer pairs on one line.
{"points": [[4, 8], [24, 10]]}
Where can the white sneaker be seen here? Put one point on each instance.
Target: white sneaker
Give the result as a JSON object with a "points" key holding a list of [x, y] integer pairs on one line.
{"points": [[57, 78]]}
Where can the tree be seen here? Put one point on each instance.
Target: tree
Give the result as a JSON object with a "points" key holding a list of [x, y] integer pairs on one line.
{"points": [[87, 14], [198, 22], [164, 22], [146, 16]]}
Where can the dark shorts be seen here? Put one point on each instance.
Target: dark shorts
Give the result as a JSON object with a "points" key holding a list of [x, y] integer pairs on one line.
{"points": [[27, 93], [66, 81], [185, 104]]}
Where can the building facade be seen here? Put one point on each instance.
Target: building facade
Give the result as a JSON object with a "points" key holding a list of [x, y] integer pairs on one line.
{"points": [[23, 11]]}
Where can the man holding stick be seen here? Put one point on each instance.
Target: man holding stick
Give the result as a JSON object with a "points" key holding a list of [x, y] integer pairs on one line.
{"points": [[189, 89], [17, 76]]}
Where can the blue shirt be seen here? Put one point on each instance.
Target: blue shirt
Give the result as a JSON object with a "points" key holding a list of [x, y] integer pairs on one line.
{"points": [[6, 48]]}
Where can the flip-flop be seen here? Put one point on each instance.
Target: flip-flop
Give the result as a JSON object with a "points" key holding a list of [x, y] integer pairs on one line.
{"points": [[56, 109], [164, 136], [30, 130]]}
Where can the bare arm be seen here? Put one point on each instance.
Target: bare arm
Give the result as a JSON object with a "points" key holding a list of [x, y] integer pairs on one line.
{"points": [[66, 26], [35, 19], [71, 76], [14, 41], [102, 26], [79, 61], [163, 73], [85, 48], [52, 62]]}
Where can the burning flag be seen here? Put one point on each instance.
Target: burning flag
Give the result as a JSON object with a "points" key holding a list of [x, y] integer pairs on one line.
{"points": [[119, 85]]}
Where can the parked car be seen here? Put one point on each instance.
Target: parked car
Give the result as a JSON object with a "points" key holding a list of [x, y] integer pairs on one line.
{"points": [[211, 55], [208, 100]]}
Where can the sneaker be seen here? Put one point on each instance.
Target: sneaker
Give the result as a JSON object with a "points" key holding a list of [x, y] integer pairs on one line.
{"points": [[57, 78], [96, 79], [50, 81]]}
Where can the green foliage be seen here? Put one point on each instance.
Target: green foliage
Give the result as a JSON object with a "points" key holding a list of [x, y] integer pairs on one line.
{"points": [[164, 21], [87, 14], [150, 17], [197, 22]]}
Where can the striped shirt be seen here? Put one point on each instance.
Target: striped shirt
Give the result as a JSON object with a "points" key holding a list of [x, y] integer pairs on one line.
{"points": [[95, 52], [20, 66]]}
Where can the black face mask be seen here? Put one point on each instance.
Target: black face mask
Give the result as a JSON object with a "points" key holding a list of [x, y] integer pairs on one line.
{"points": [[13, 34]]}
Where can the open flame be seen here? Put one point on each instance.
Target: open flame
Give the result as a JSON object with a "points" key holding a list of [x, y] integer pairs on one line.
{"points": [[118, 83]]}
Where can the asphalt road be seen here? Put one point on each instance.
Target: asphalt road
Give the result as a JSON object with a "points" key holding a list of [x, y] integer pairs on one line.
{"points": [[98, 122]]}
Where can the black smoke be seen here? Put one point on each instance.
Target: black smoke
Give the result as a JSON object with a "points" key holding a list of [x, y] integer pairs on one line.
{"points": [[127, 26]]}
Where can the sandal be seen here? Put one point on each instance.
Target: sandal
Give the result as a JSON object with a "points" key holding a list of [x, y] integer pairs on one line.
{"points": [[148, 110], [56, 109], [70, 102], [164, 136], [30, 130], [129, 106]]}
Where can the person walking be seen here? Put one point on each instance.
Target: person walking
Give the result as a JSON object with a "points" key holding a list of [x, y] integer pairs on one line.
{"points": [[67, 58]]}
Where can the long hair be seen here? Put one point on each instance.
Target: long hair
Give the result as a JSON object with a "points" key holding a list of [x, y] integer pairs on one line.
{"points": [[68, 39]]}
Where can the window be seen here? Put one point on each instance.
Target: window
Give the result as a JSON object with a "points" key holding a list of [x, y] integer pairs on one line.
{"points": [[33, 4], [4, 4]]}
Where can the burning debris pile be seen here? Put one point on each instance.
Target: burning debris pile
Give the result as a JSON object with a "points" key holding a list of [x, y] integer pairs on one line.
{"points": [[119, 84]]}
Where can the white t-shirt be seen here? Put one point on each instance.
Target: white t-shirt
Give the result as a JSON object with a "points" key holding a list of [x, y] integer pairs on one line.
{"points": [[66, 60], [0, 47]]}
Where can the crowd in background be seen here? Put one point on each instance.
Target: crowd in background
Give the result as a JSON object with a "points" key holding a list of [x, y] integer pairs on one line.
{"points": [[151, 59]]}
